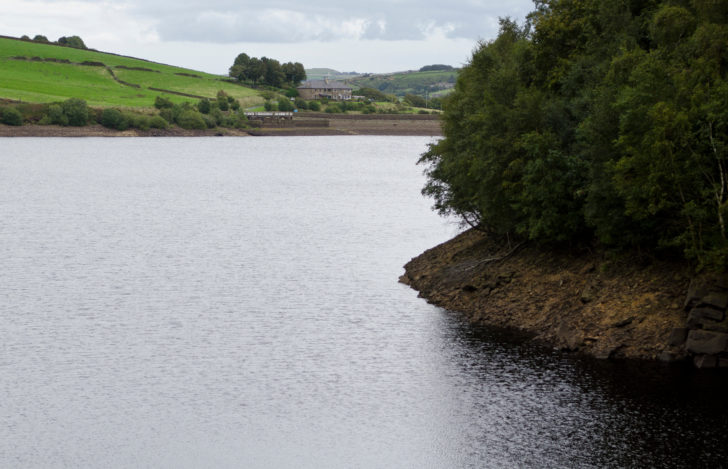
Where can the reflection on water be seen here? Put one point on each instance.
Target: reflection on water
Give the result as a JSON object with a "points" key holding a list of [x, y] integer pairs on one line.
{"points": [[234, 303]]}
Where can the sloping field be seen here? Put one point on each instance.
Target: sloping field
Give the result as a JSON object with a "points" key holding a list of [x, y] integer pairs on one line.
{"points": [[46, 73], [408, 82]]}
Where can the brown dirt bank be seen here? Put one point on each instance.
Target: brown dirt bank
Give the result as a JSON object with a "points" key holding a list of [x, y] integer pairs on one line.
{"points": [[31, 130], [308, 125], [577, 301]]}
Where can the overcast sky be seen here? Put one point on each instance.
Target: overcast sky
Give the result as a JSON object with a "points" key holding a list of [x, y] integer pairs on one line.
{"points": [[362, 36]]}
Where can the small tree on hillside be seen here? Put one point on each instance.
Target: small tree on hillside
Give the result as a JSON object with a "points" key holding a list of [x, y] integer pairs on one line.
{"points": [[72, 41]]}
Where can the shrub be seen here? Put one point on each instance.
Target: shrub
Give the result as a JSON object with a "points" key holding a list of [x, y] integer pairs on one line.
{"points": [[158, 122], [11, 116], [269, 106], [217, 116], [114, 119], [161, 102], [314, 106], [333, 109], [189, 119], [235, 105], [204, 106], [167, 115], [210, 121], [56, 115], [301, 104], [138, 121], [285, 105], [76, 111]]}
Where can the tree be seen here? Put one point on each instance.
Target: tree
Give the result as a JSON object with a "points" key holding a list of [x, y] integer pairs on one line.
{"points": [[40, 38], [266, 70], [414, 100], [294, 73], [222, 101], [160, 102], [604, 121], [273, 73], [11, 116], [203, 106], [114, 119], [76, 111], [72, 41], [372, 93]]}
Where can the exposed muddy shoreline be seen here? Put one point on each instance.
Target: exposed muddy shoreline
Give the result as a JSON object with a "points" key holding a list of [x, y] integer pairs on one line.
{"points": [[307, 125], [575, 300]]}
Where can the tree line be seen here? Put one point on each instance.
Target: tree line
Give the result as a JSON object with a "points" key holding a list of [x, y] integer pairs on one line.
{"points": [[266, 71], [594, 121], [71, 41]]}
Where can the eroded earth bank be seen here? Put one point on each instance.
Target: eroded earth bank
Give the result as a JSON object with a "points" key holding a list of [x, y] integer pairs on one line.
{"points": [[579, 300]]}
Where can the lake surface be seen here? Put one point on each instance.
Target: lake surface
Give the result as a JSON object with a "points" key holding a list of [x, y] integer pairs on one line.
{"points": [[233, 302]]}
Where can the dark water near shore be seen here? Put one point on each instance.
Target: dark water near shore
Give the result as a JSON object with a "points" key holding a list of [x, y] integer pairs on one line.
{"points": [[229, 303]]}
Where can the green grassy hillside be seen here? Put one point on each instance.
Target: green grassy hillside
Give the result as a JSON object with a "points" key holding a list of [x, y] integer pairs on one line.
{"points": [[321, 73], [45, 73], [401, 83]]}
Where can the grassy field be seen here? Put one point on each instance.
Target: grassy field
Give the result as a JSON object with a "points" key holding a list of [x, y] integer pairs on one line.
{"points": [[43, 81]]}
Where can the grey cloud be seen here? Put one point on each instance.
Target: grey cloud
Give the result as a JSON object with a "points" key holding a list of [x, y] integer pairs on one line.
{"points": [[224, 21]]}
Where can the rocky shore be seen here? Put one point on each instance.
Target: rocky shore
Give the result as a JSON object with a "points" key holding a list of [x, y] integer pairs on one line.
{"points": [[577, 300]]}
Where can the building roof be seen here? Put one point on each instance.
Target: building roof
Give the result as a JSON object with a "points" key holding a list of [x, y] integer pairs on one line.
{"points": [[328, 84]]}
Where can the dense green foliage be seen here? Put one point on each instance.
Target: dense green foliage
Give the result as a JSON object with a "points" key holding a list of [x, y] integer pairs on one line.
{"points": [[603, 121], [72, 41], [11, 116], [266, 71]]}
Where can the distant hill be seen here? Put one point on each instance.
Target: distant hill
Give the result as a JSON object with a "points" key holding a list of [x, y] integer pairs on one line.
{"points": [[431, 83], [38, 72], [321, 73]]}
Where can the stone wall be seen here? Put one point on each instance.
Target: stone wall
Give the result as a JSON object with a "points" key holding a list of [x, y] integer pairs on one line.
{"points": [[705, 336]]}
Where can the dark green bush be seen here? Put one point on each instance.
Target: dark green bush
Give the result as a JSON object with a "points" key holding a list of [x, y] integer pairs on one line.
{"points": [[189, 119], [11, 116], [158, 122], [314, 106], [285, 105], [55, 115], [217, 115], [203, 106], [210, 121], [161, 102], [139, 121], [334, 109], [76, 111], [167, 115], [114, 119]]}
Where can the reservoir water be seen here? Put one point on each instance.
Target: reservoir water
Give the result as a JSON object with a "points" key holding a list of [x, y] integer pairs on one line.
{"points": [[233, 303]]}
